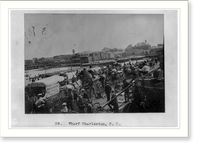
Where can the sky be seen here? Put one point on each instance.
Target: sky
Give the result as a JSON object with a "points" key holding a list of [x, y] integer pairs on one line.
{"points": [[47, 35]]}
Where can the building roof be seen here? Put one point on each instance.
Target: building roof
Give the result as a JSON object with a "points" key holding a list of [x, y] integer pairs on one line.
{"points": [[85, 52]]}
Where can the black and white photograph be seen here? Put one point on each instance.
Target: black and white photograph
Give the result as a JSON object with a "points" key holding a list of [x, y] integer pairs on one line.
{"points": [[87, 63], [95, 69]]}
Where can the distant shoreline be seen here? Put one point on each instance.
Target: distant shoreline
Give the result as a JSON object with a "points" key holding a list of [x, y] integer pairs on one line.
{"points": [[97, 63]]}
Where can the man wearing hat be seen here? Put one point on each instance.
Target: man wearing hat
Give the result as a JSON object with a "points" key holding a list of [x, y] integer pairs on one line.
{"points": [[145, 69], [126, 92], [40, 104], [81, 105], [102, 80], [83, 99], [107, 91], [69, 99], [84, 95], [114, 102]]}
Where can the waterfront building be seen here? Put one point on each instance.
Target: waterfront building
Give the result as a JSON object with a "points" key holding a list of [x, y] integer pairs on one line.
{"points": [[28, 64], [141, 48], [96, 56], [35, 60], [85, 57], [105, 55], [76, 58], [155, 50]]}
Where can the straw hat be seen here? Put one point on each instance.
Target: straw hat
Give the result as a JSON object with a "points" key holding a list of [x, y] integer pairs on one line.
{"points": [[83, 90], [40, 95]]}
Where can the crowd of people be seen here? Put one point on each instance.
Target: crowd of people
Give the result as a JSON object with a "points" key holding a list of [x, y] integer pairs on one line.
{"points": [[108, 80]]}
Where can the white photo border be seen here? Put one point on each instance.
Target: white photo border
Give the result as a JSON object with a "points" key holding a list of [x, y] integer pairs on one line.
{"points": [[181, 131]]}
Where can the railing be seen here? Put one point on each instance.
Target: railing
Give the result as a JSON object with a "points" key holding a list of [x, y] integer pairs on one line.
{"points": [[132, 82]]}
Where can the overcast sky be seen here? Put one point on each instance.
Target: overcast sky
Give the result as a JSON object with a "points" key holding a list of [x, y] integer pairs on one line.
{"points": [[47, 35]]}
